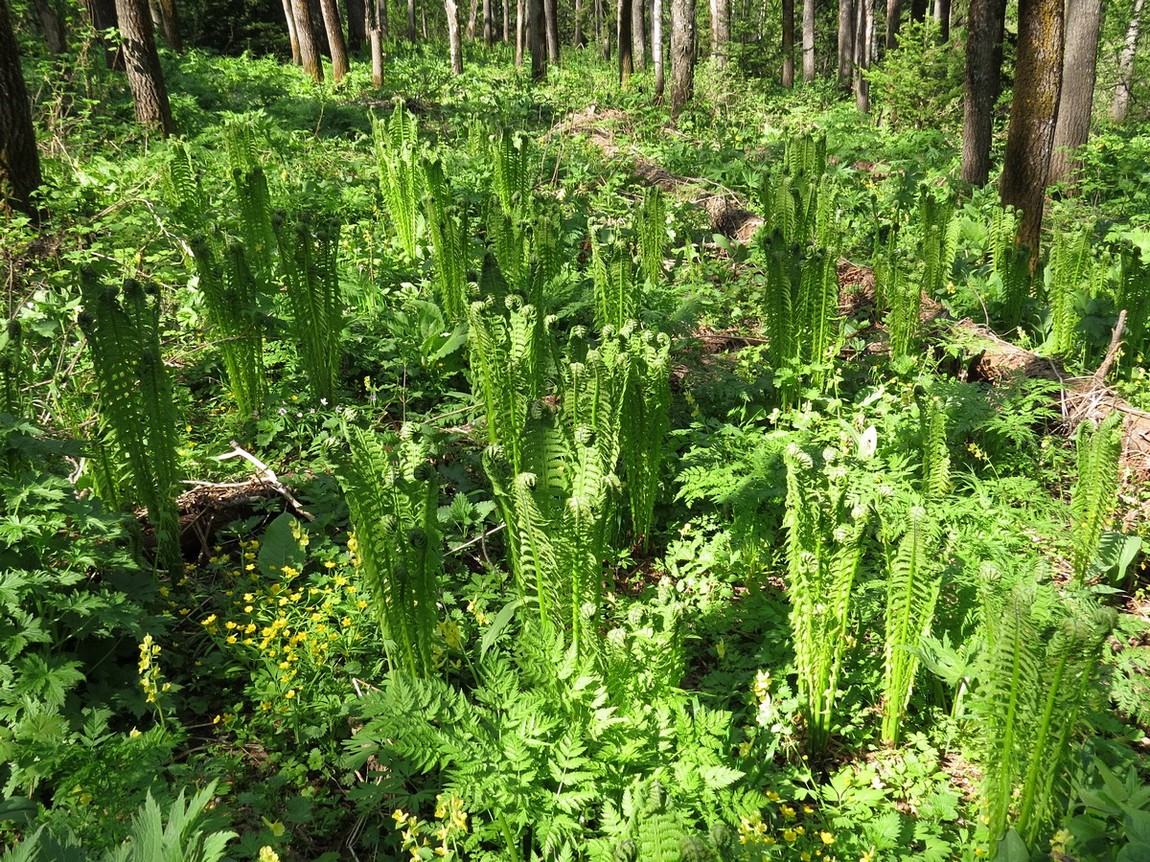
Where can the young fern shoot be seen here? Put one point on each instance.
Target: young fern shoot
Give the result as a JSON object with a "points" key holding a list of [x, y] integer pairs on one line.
{"points": [[1096, 492]]}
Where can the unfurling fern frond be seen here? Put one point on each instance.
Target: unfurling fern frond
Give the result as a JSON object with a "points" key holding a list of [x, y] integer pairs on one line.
{"points": [[651, 227], [255, 205], [936, 481], [913, 584], [1070, 269], [514, 165], [392, 496], [644, 424], [447, 225], [309, 254], [189, 204], [1095, 494], [1134, 296], [617, 291], [938, 228], [1011, 264]]}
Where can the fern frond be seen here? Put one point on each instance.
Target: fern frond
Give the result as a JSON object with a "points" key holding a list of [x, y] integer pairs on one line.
{"points": [[1095, 494]]}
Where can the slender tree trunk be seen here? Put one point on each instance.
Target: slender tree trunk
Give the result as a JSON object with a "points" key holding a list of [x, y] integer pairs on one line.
{"points": [[488, 24], [603, 29], [942, 19], [537, 39], [720, 31], [472, 20], [1076, 102], [624, 38], [984, 31], [1033, 112], [788, 43], [579, 38], [381, 18], [170, 22], [375, 14], [102, 14], [808, 40], [308, 44], [520, 31], [918, 10], [682, 54], [847, 28], [1126, 65], [52, 26], [454, 40], [551, 20], [292, 34], [145, 77], [335, 44], [638, 36], [893, 22], [411, 33], [356, 24], [506, 4], [657, 49], [19, 159], [864, 36]]}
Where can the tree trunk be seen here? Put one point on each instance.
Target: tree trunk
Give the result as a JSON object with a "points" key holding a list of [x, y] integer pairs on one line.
{"points": [[293, 36], [1126, 65], [626, 45], [145, 77], [488, 24], [638, 36], [102, 14], [52, 26], [847, 28], [603, 29], [375, 13], [356, 24], [335, 44], [894, 21], [984, 30], [788, 43], [411, 33], [657, 49], [720, 32], [506, 4], [864, 34], [1076, 103], [808, 40], [942, 19], [918, 10], [170, 22], [454, 40], [472, 20], [19, 159], [579, 38], [308, 44], [682, 54], [537, 39], [1033, 111], [520, 31], [551, 21]]}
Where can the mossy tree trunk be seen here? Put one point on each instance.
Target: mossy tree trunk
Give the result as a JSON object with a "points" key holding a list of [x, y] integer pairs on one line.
{"points": [[682, 54], [335, 43], [788, 43]]}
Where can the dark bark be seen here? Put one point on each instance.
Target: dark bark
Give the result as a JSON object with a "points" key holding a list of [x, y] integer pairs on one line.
{"points": [[376, 18], [337, 48], [19, 160], [682, 54], [356, 25], [1076, 102], [984, 31], [1126, 65], [145, 77], [488, 24], [638, 36], [1033, 112], [308, 44], [657, 49], [894, 21], [170, 23], [788, 43], [864, 35], [579, 38], [537, 39], [102, 15], [720, 31], [918, 10], [942, 19], [626, 46], [808, 40], [52, 25], [847, 27], [454, 37], [551, 20]]}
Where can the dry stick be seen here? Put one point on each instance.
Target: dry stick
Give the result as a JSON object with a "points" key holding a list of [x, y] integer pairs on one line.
{"points": [[267, 475]]}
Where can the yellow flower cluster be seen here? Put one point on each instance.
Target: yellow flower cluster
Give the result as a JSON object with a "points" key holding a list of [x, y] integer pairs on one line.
{"points": [[433, 839], [151, 679], [792, 839]]}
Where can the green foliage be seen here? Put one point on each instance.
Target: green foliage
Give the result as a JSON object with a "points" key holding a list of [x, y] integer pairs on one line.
{"points": [[447, 224], [618, 292], [1070, 272], [1011, 264], [513, 160], [309, 256], [137, 407], [393, 498], [651, 228], [825, 524], [644, 423], [401, 180], [1095, 492], [918, 84], [1134, 297]]}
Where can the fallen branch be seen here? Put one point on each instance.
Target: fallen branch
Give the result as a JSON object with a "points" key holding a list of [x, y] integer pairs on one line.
{"points": [[266, 475]]}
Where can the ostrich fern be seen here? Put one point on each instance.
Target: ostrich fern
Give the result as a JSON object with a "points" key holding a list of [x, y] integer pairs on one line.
{"points": [[1071, 268], [255, 204], [617, 290], [392, 494], [400, 175], [1096, 492], [137, 406], [644, 422], [651, 227], [447, 225], [1134, 296], [512, 160], [824, 548]]}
